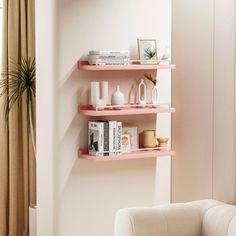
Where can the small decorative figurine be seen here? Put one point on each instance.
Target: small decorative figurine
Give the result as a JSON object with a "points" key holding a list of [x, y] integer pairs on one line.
{"points": [[118, 97], [98, 99], [154, 90], [142, 94], [162, 142]]}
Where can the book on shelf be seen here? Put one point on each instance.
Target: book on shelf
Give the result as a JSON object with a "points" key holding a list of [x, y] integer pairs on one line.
{"points": [[96, 138], [108, 57], [105, 138], [119, 137], [111, 52], [112, 136]]}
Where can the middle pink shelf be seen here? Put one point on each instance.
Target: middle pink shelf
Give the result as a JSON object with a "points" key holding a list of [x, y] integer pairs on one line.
{"points": [[89, 111]]}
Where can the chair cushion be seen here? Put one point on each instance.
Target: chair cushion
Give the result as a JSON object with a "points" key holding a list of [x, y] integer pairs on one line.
{"points": [[165, 220]]}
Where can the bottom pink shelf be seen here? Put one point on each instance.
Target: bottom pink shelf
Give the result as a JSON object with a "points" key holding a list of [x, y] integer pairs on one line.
{"points": [[126, 156]]}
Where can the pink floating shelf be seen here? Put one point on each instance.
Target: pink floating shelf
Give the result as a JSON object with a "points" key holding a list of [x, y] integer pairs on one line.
{"points": [[126, 156], [134, 65], [88, 111]]}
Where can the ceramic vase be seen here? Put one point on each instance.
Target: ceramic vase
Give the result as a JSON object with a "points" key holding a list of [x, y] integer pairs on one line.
{"points": [[155, 96], [166, 54], [142, 94], [117, 98], [149, 139], [99, 98]]}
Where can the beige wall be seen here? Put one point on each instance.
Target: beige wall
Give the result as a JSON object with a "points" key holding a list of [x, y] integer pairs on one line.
{"points": [[45, 61], [83, 196], [203, 94]]}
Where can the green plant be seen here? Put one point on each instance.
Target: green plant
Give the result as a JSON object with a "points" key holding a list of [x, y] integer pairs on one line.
{"points": [[150, 53], [16, 83]]}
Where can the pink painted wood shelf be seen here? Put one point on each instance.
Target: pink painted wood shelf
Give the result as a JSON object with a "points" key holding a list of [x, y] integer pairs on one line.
{"points": [[88, 111], [134, 65], [126, 156]]}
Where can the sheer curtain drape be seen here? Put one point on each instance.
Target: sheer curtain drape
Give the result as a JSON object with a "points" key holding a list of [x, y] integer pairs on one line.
{"points": [[17, 162]]}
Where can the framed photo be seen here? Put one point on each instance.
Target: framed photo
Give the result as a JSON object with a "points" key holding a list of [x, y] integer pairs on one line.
{"points": [[147, 51], [133, 134], [126, 147]]}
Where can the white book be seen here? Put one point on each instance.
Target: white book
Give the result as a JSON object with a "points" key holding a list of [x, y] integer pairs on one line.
{"points": [[119, 137], [96, 138], [108, 61], [112, 137], [112, 52], [96, 57]]}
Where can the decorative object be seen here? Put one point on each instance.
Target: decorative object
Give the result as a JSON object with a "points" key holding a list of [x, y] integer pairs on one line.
{"points": [[117, 98], [155, 96], [166, 56], [149, 139], [154, 90], [126, 146], [98, 99], [150, 78], [147, 51], [142, 94], [133, 133], [132, 96], [162, 142]]}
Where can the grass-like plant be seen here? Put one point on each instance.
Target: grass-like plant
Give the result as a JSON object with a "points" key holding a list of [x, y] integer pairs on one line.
{"points": [[150, 53], [16, 83]]}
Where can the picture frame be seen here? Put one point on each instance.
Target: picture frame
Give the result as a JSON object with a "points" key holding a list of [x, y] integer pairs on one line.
{"points": [[133, 133], [126, 145], [147, 50]]}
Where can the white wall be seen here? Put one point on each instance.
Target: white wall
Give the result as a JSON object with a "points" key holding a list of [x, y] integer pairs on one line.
{"points": [[46, 74], [204, 96], [84, 196]]}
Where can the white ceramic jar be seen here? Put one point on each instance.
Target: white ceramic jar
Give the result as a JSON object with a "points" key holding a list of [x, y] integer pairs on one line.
{"points": [[117, 98]]}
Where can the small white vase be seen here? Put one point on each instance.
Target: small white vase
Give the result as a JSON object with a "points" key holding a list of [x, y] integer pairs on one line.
{"points": [[118, 98], [166, 55], [142, 94], [98, 99], [155, 96]]}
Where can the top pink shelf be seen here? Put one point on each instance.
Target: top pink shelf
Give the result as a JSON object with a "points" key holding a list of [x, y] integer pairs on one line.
{"points": [[134, 65]]}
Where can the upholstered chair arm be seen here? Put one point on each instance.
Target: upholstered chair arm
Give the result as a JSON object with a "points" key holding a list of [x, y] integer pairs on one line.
{"points": [[165, 220]]}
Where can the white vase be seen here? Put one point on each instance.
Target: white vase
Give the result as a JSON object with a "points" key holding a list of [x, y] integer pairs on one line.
{"points": [[117, 98], [166, 55], [142, 94], [155, 96], [97, 98]]}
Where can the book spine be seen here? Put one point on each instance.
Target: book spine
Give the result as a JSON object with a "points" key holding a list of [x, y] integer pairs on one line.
{"points": [[106, 138], [101, 138], [112, 137], [119, 134]]}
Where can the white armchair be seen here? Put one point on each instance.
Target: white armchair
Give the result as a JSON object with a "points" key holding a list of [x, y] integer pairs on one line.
{"points": [[200, 218]]}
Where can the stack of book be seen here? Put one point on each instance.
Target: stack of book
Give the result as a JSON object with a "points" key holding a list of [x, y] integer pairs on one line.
{"points": [[103, 58], [105, 138]]}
